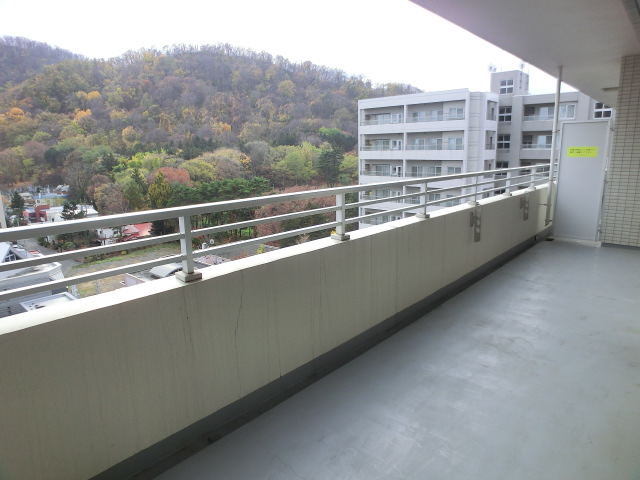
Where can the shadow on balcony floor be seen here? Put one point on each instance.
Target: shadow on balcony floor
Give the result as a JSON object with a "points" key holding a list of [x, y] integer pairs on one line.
{"points": [[534, 372]]}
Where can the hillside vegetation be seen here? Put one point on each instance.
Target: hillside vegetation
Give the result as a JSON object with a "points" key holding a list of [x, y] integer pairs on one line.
{"points": [[192, 119]]}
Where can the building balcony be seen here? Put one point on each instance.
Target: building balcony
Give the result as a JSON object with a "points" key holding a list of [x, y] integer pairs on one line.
{"points": [[526, 374], [501, 375], [536, 146], [388, 120], [435, 147], [378, 148]]}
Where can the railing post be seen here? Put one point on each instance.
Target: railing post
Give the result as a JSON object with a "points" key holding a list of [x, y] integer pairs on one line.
{"points": [[341, 215], [475, 194], [188, 273], [424, 214]]}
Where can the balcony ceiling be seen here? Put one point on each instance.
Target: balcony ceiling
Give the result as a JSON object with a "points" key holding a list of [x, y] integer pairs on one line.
{"points": [[588, 38]]}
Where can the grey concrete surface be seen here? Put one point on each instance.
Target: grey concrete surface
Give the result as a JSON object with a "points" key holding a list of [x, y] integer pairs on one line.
{"points": [[32, 244], [532, 373]]}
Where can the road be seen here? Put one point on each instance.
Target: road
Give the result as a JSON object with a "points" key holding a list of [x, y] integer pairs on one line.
{"points": [[32, 244]]}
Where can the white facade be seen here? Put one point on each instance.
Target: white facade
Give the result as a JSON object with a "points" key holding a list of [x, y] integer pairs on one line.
{"points": [[422, 135], [525, 121], [458, 131]]}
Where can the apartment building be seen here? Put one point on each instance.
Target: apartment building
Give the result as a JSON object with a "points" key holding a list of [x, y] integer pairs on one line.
{"points": [[458, 131], [525, 122], [422, 135]]}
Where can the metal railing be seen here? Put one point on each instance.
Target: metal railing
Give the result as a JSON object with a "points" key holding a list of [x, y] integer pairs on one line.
{"points": [[532, 118], [383, 121], [476, 184], [378, 148], [427, 146], [418, 119], [438, 118], [536, 146]]}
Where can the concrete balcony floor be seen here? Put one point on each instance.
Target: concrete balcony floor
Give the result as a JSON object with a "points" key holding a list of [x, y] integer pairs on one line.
{"points": [[531, 373]]}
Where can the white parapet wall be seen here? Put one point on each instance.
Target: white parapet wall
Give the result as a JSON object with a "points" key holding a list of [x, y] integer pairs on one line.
{"points": [[90, 384]]}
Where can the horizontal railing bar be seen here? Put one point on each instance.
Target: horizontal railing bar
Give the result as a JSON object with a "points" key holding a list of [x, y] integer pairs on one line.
{"points": [[535, 174], [261, 221], [265, 239]]}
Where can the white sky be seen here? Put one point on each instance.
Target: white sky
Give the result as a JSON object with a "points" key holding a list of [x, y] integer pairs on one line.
{"points": [[382, 40]]}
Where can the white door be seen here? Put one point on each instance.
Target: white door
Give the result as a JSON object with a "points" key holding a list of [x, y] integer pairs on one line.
{"points": [[582, 164]]}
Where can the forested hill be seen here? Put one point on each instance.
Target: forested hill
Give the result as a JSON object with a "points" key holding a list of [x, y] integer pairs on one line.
{"points": [[180, 104], [21, 58]]}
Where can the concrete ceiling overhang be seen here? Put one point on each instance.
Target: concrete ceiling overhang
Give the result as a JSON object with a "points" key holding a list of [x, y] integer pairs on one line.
{"points": [[588, 38]]}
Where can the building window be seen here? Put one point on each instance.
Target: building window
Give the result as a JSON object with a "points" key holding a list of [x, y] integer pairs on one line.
{"points": [[456, 114], [436, 115], [434, 171], [435, 144], [491, 110], [500, 165], [544, 141], [377, 145], [504, 114], [417, 144], [600, 110], [538, 142], [451, 203], [506, 86], [382, 170], [417, 171], [419, 117], [454, 170], [396, 144], [546, 113], [455, 144], [567, 111], [504, 142], [434, 197]]}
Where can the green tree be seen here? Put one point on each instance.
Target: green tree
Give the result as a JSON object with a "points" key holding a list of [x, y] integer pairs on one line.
{"points": [[328, 165], [331, 158], [139, 180], [159, 197], [296, 166], [70, 211], [349, 170], [17, 202], [134, 196], [338, 139], [159, 192]]}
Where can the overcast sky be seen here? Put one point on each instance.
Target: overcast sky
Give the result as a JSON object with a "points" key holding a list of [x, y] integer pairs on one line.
{"points": [[382, 40]]}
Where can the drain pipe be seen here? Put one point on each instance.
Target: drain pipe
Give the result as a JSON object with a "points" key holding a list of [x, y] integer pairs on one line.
{"points": [[554, 138]]}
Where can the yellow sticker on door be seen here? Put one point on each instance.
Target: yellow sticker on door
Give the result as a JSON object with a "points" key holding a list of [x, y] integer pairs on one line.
{"points": [[582, 151]]}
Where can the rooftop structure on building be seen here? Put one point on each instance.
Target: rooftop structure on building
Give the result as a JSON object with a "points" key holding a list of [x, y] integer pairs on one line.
{"points": [[25, 276]]}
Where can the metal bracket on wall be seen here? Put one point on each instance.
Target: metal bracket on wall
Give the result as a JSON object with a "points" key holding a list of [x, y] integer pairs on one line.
{"points": [[524, 205], [475, 221]]}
